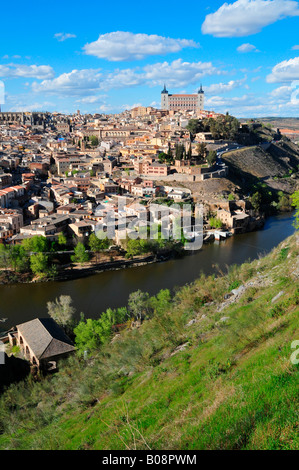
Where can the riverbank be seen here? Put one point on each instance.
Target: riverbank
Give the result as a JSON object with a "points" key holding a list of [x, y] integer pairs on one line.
{"points": [[95, 293], [78, 271], [73, 271]]}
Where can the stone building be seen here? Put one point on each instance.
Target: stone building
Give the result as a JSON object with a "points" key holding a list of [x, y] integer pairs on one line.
{"points": [[193, 102], [42, 342]]}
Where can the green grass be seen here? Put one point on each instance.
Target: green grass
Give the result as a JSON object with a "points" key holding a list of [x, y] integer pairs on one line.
{"points": [[233, 386]]}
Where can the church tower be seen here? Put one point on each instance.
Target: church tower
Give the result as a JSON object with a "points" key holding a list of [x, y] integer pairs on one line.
{"points": [[164, 98], [201, 99]]}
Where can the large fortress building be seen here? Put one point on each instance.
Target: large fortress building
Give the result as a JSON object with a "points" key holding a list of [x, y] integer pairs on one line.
{"points": [[193, 102]]}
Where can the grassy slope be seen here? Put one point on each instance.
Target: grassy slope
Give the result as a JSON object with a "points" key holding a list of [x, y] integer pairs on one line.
{"points": [[232, 386]]}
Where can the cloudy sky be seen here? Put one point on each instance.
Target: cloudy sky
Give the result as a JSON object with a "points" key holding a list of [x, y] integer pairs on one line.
{"points": [[100, 56]]}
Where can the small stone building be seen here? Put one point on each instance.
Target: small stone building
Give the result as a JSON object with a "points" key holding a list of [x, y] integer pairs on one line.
{"points": [[42, 342]]}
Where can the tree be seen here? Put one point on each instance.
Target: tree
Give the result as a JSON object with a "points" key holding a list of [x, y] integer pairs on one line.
{"points": [[80, 256], [89, 335], [256, 200], [94, 140], [211, 157], [139, 305], [92, 334], [4, 256], [201, 150], [194, 126], [39, 264], [179, 151], [36, 244], [295, 202], [18, 258], [136, 247], [62, 240], [62, 310], [284, 202], [215, 222], [169, 153], [98, 244], [163, 157]]}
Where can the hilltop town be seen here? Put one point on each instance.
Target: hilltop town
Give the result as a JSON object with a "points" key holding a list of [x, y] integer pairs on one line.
{"points": [[61, 175]]}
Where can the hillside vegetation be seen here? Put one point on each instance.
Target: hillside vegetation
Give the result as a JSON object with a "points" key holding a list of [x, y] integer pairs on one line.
{"points": [[210, 369]]}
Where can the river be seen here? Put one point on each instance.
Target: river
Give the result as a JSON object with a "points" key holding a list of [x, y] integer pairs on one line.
{"points": [[93, 295]]}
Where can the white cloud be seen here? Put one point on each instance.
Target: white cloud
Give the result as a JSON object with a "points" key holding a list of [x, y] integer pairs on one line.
{"points": [[64, 36], [92, 99], [44, 106], [125, 78], [282, 92], [39, 72], [247, 48], [246, 17], [295, 48], [286, 71], [77, 82], [178, 73], [225, 87], [91, 82], [121, 45]]}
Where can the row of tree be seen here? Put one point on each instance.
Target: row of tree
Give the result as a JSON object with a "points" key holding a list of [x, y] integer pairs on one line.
{"points": [[223, 127]]}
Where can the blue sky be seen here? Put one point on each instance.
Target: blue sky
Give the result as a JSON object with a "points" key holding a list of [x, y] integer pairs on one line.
{"points": [[109, 56]]}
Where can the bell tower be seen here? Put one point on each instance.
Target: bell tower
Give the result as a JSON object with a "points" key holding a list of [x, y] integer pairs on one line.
{"points": [[164, 99], [201, 99]]}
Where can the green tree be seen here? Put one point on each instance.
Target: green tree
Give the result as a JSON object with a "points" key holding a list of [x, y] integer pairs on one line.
{"points": [[169, 153], [81, 256], [179, 151], [194, 126], [256, 201], [284, 202], [39, 264], [18, 258], [94, 140], [295, 202], [211, 157], [98, 244], [36, 244], [201, 150], [136, 247], [215, 222], [163, 157], [62, 240], [92, 334]]}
